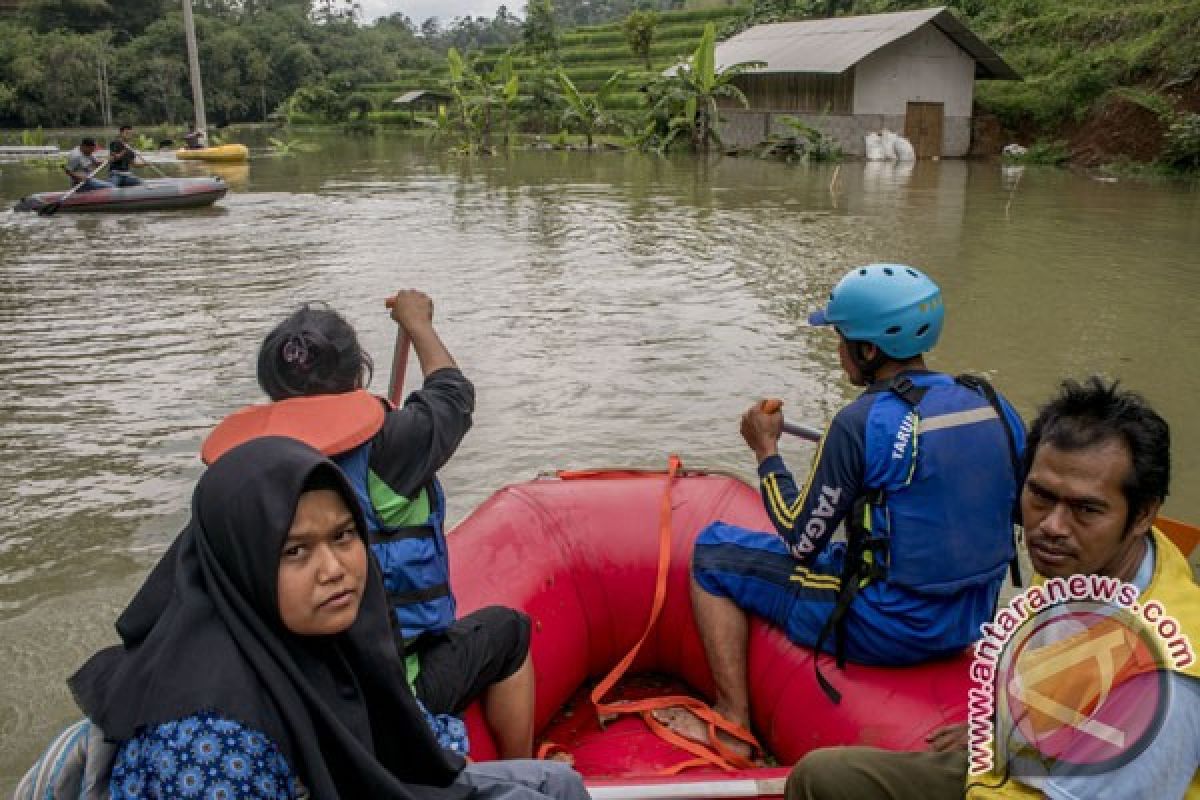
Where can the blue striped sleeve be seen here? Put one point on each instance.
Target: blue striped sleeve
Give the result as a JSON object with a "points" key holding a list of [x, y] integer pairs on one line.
{"points": [[807, 517]]}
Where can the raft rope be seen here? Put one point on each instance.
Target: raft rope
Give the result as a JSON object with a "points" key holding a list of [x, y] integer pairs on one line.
{"points": [[714, 753]]}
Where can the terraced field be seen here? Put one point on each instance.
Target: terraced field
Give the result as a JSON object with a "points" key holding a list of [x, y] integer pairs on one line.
{"points": [[589, 55]]}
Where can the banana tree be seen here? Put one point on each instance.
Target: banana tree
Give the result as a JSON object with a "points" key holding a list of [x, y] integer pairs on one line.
{"points": [[587, 114], [500, 89], [477, 96], [461, 76], [691, 93]]}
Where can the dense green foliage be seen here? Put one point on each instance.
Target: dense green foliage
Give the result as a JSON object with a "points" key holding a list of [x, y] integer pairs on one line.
{"points": [[1183, 142], [639, 33], [254, 54]]}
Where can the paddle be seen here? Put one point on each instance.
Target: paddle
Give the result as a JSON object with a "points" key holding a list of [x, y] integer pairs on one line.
{"points": [[399, 363], [806, 432], [52, 208], [136, 154]]}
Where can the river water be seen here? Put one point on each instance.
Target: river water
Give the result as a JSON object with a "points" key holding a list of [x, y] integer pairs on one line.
{"points": [[611, 308]]}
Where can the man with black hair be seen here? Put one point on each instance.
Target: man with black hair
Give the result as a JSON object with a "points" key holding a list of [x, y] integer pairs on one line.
{"points": [[1098, 471], [122, 159], [82, 162]]}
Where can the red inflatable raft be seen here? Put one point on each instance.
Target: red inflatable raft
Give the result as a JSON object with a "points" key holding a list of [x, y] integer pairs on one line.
{"points": [[578, 552]]}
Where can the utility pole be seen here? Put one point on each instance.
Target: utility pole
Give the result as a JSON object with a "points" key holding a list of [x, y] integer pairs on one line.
{"points": [[189, 30]]}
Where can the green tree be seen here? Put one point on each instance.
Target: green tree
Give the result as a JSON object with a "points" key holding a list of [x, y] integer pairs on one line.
{"points": [[587, 114], [540, 32], [690, 95], [639, 32]]}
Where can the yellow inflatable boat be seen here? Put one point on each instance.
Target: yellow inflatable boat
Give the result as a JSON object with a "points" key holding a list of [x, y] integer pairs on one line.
{"points": [[225, 152]]}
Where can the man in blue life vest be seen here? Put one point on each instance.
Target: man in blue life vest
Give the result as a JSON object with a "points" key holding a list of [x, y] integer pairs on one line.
{"points": [[923, 469]]}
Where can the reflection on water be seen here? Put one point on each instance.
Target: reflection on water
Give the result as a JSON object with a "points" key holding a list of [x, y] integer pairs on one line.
{"points": [[611, 308]]}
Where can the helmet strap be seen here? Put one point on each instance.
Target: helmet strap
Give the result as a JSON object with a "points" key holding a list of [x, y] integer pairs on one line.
{"points": [[869, 367]]}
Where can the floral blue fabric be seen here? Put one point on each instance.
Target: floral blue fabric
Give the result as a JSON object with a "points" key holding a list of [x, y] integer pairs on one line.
{"points": [[204, 756], [451, 732]]}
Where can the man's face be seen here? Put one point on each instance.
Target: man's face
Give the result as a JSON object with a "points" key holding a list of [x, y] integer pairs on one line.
{"points": [[87, 149], [1075, 513], [126, 134]]}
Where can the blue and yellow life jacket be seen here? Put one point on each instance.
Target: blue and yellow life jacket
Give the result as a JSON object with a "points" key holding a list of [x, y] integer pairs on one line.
{"points": [[936, 518], [939, 516], [412, 555]]}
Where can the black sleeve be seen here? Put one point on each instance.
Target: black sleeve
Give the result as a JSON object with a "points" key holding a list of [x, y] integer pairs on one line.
{"points": [[418, 439]]}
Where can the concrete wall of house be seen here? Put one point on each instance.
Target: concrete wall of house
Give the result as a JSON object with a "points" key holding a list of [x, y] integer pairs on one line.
{"points": [[748, 128], [925, 66]]}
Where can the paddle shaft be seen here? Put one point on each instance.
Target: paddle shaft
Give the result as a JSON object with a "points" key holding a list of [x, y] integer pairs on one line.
{"points": [[806, 432], [57, 204], [136, 154], [399, 367], [774, 404]]}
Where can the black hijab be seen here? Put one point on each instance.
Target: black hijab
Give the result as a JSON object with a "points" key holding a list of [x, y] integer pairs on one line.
{"points": [[204, 633]]}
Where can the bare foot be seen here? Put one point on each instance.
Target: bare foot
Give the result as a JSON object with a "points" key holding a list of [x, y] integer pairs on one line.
{"points": [[682, 721], [562, 756]]}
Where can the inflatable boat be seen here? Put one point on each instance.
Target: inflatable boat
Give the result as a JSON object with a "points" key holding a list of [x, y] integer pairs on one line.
{"points": [[223, 152], [150, 195], [579, 552]]}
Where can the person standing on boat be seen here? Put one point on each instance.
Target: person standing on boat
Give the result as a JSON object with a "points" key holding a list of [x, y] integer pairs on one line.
{"points": [[922, 467], [256, 660], [314, 370], [82, 162], [122, 159], [1098, 471]]}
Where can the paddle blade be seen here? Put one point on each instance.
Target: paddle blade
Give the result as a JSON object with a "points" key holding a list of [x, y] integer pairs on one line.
{"points": [[49, 209]]}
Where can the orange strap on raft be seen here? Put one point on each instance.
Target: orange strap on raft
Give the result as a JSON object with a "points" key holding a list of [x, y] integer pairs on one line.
{"points": [[330, 423], [715, 753]]}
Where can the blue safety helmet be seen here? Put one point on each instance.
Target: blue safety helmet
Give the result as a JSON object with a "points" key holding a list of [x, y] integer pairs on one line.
{"points": [[894, 307]]}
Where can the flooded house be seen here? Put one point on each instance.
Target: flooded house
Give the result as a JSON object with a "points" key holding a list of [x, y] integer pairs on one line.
{"points": [[912, 72]]}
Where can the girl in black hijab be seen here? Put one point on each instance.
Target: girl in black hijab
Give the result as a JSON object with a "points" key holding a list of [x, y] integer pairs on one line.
{"points": [[258, 661]]}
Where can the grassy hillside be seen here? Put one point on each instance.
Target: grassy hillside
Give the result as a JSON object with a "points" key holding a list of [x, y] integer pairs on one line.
{"points": [[1080, 59]]}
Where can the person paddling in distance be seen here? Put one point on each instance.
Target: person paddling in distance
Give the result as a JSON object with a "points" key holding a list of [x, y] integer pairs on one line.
{"points": [[314, 370], [194, 139], [1098, 471], [122, 159], [922, 468], [81, 163], [257, 662]]}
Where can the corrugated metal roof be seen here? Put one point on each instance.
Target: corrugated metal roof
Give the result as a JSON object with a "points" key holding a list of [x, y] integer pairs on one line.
{"points": [[835, 45]]}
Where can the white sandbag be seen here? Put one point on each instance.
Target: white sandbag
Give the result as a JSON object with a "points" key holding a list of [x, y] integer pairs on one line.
{"points": [[889, 145], [904, 150], [874, 146]]}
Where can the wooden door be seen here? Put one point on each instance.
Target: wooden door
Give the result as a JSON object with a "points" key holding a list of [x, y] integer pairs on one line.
{"points": [[923, 127]]}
